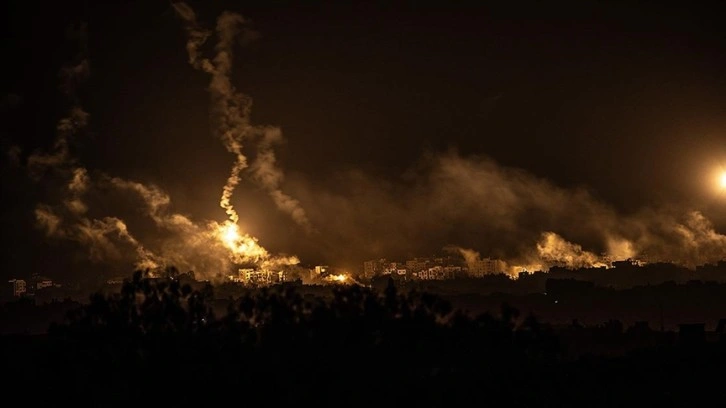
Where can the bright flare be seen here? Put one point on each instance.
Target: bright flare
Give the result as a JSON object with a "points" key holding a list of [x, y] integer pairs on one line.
{"points": [[243, 248], [230, 234], [338, 278], [722, 180]]}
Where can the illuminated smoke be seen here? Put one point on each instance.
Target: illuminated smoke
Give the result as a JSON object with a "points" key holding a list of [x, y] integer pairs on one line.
{"points": [[155, 200], [67, 127], [94, 234], [77, 186], [471, 257], [102, 237], [270, 176], [106, 238], [684, 237], [209, 248], [48, 220], [196, 35], [555, 250], [620, 249], [504, 213], [230, 108], [232, 182], [474, 260], [231, 113]]}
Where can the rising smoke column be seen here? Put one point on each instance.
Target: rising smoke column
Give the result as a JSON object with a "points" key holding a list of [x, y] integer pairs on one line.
{"points": [[208, 248], [269, 175], [231, 113]]}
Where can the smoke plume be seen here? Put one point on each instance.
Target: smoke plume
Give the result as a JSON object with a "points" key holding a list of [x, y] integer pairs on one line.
{"points": [[231, 113], [471, 202], [268, 175], [92, 210], [501, 212]]}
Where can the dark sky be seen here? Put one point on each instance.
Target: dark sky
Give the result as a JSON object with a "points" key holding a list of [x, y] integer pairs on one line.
{"points": [[624, 102]]}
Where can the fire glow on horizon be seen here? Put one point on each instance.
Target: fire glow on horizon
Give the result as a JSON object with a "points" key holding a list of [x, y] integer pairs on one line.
{"points": [[242, 246]]}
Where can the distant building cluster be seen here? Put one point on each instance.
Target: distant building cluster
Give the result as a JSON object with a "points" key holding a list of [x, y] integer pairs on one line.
{"points": [[258, 277], [308, 275], [433, 268], [642, 260], [36, 283]]}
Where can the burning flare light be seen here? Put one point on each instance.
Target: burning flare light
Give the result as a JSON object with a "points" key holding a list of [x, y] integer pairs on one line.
{"points": [[243, 248], [338, 278], [231, 115]]}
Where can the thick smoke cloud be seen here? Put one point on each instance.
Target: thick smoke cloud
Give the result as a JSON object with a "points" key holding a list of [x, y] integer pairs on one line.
{"points": [[469, 202], [266, 172], [67, 128], [189, 245], [196, 36], [553, 249], [91, 210], [500, 212]]}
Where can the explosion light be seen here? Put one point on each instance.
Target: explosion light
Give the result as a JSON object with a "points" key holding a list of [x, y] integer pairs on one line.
{"points": [[341, 278], [243, 248], [229, 233]]}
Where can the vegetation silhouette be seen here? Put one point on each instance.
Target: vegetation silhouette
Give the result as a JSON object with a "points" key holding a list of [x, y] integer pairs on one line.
{"points": [[160, 341]]}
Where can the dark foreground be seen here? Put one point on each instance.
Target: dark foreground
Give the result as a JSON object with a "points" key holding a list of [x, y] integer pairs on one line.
{"points": [[158, 342]]}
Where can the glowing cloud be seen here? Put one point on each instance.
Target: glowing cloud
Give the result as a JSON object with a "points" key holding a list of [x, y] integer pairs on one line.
{"points": [[507, 213], [209, 248], [48, 220], [503, 212], [553, 249]]}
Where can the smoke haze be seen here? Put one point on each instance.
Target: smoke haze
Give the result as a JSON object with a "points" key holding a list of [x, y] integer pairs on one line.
{"points": [[499, 212], [446, 199]]}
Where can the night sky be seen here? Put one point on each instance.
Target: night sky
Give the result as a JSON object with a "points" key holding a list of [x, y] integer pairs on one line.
{"points": [[405, 129]]}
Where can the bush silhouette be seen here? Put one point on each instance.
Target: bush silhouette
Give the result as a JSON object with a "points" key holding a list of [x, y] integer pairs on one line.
{"points": [[158, 341], [157, 333]]}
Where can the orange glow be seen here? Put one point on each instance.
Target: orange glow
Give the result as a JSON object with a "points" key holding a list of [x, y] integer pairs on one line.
{"points": [[243, 248], [342, 278], [230, 234], [722, 180]]}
